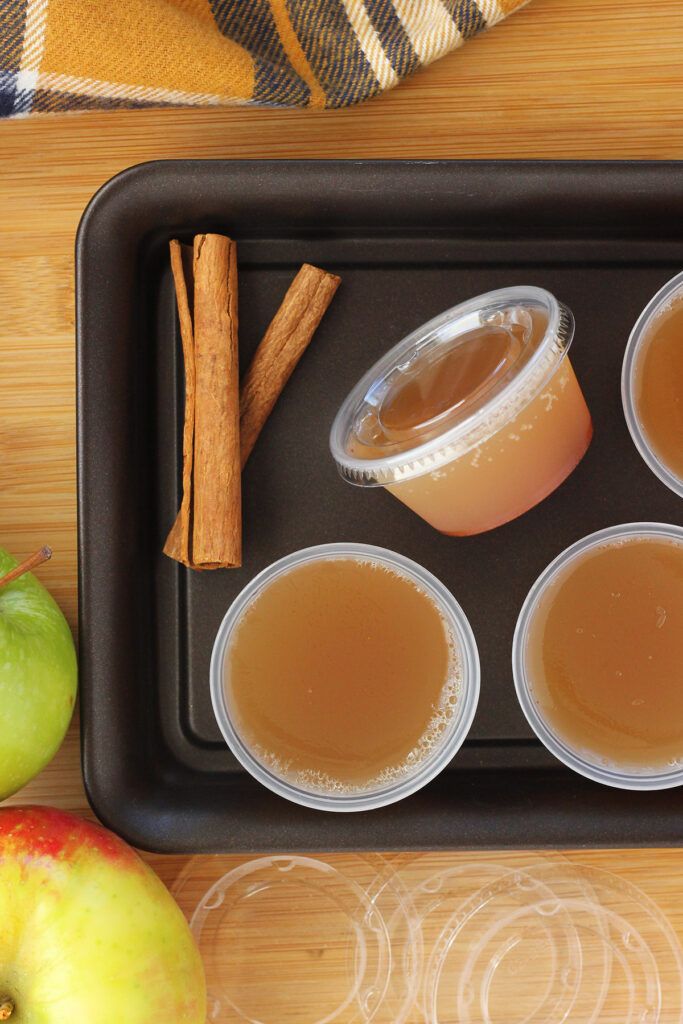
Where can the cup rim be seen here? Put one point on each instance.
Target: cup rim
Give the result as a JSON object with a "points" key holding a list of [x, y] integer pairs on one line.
{"points": [[633, 348], [552, 741], [433, 764]]}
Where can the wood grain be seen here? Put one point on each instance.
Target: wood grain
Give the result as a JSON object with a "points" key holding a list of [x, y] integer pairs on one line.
{"points": [[559, 79]]}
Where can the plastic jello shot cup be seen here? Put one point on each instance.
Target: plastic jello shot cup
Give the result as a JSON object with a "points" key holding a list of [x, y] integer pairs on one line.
{"points": [[344, 677], [597, 656], [473, 418], [652, 384]]}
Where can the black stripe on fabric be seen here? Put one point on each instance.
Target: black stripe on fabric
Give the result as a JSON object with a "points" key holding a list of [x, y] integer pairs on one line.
{"points": [[8, 82], [394, 38], [251, 24], [333, 51], [13, 18], [275, 86], [46, 101], [23, 99], [467, 17], [12, 21]]}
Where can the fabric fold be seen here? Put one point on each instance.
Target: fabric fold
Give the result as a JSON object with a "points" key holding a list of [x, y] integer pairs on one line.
{"points": [[60, 55]]}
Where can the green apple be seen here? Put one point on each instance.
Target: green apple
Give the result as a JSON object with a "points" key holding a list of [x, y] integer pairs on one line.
{"points": [[37, 677], [88, 933]]}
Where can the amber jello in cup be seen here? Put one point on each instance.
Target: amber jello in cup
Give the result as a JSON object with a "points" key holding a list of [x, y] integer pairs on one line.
{"points": [[652, 384], [598, 656], [344, 677], [474, 417]]}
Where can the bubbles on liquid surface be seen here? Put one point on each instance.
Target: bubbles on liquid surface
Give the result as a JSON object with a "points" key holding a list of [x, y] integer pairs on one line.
{"points": [[428, 743]]}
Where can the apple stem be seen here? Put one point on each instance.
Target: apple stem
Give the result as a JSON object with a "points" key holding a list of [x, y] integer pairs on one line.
{"points": [[41, 555], [6, 1007]]}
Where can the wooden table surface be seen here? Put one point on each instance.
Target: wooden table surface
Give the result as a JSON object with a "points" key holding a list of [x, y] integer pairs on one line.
{"points": [[559, 79]]}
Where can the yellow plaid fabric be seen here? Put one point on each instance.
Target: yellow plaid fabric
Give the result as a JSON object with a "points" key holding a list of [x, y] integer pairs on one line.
{"points": [[97, 54]]}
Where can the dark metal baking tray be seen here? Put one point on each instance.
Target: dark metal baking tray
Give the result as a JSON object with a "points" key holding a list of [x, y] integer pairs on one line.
{"points": [[409, 239]]}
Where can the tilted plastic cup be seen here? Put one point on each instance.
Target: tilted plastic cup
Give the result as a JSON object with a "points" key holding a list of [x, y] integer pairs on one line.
{"points": [[473, 418]]}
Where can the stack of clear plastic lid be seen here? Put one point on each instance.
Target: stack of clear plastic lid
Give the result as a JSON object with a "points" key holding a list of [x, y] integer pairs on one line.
{"points": [[429, 938]]}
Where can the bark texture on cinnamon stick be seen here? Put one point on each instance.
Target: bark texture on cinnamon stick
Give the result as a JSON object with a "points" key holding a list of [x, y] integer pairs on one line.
{"points": [[216, 485], [178, 542], [282, 346], [207, 533]]}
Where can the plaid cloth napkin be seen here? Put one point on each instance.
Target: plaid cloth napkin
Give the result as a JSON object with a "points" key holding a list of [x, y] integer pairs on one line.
{"points": [[103, 54]]}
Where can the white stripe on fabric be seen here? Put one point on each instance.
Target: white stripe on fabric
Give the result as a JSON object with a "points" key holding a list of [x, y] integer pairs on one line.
{"points": [[27, 81], [31, 53], [492, 11], [370, 43], [144, 94], [429, 27], [34, 35]]}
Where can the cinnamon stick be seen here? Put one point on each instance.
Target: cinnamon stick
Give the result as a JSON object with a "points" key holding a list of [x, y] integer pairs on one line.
{"points": [[178, 542], [216, 483], [282, 346], [223, 422]]}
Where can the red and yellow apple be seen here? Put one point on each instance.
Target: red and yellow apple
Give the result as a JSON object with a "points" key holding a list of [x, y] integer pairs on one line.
{"points": [[88, 933]]}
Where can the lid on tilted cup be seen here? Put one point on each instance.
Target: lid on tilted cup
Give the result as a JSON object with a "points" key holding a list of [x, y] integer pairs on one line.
{"points": [[378, 437]]}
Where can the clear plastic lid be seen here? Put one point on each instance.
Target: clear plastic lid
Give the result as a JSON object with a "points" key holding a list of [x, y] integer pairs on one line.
{"points": [[525, 938], [545, 941], [450, 385], [293, 938]]}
